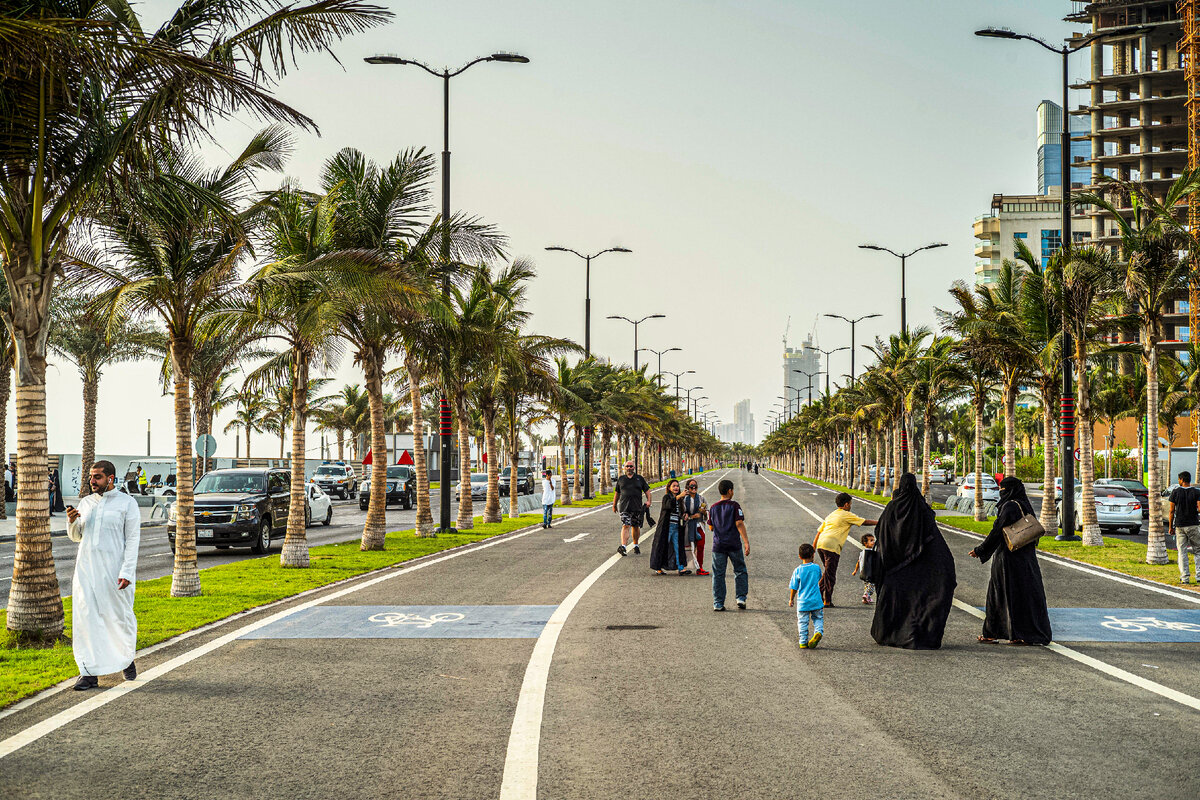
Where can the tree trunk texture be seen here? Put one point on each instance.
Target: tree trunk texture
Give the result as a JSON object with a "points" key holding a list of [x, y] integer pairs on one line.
{"points": [[375, 526], [491, 505], [5, 394], [1156, 539], [606, 456], [514, 448], [1010, 430], [91, 395], [466, 508], [980, 516], [1087, 463], [295, 543], [185, 573], [577, 483], [204, 419], [1048, 518], [424, 524], [928, 420]]}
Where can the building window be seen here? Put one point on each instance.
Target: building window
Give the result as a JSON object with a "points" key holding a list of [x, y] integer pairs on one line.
{"points": [[1051, 243]]}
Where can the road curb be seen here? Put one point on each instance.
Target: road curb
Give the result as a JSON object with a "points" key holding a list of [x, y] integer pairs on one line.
{"points": [[12, 537]]}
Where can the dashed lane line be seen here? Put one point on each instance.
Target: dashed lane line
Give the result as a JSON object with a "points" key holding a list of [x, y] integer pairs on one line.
{"points": [[1074, 655]]}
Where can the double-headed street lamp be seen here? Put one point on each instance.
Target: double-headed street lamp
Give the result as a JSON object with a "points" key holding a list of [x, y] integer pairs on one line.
{"points": [[1067, 421], [903, 275], [444, 406], [677, 376], [587, 289], [853, 323], [696, 406], [828, 353], [635, 323], [810, 376], [659, 353]]}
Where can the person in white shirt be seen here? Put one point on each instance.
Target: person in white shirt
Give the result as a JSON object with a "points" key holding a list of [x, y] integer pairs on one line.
{"points": [[548, 497], [108, 527]]}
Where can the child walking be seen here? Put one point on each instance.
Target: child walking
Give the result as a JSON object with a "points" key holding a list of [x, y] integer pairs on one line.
{"points": [[867, 567], [806, 585]]}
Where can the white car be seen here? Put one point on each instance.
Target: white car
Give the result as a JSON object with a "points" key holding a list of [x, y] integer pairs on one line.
{"points": [[320, 506], [991, 489], [940, 475]]}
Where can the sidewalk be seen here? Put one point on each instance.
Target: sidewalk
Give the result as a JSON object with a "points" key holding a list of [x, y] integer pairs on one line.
{"points": [[58, 523]]}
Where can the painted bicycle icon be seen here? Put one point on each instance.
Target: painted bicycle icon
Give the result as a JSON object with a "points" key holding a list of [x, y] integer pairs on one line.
{"points": [[394, 619], [1143, 624]]}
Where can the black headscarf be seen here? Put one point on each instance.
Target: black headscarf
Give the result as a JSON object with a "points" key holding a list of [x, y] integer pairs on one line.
{"points": [[905, 527], [1011, 488]]}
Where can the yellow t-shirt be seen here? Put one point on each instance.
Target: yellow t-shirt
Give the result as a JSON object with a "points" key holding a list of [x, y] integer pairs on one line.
{"points": [[835, 529]]}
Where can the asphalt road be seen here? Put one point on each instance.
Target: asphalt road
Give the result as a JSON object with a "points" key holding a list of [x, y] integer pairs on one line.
{"points": [[647, 693]]}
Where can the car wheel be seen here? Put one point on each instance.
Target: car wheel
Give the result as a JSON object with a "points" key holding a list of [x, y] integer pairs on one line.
{"points": [[307, 516], [172, 542], [354, 493], [408, 501], [362, 505], [262, 543], [1078, 523], [328, 516]]}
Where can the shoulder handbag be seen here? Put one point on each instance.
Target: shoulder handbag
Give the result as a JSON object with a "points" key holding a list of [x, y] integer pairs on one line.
{"points": [[1022, 532]]}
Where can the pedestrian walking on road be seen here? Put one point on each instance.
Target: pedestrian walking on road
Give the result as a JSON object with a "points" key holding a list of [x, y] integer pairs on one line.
{"points": [[1016, 599], [627, 500], [915, 587], [1185, 524], [806, 587], [108, 527], [867, 567], [668, 550], [549, 495], [142, 480], [730, 544], [695, 511], [831, 538]]}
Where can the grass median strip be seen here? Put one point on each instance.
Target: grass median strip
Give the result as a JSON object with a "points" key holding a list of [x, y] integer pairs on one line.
{"points": [[229, 589]]}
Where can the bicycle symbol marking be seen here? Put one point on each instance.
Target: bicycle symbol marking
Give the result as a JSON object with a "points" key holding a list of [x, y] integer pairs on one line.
{"points": [[394, 619], [1142, 624]]}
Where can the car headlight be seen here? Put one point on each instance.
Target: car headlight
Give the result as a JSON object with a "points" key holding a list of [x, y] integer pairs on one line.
{"points": [[171, 513], [245, 512]]}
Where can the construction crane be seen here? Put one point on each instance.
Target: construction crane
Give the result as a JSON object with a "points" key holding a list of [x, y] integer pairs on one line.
{"points": [[1188, 51], [786, 331]]}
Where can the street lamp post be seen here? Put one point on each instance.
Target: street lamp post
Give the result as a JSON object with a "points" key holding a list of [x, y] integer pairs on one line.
{"points": [[829, 353], [659, 353], [635, 324], [677, 376], [444, 405], [1067, 420], [853, 323], [696, 406], [903, 275], [810, 376]]}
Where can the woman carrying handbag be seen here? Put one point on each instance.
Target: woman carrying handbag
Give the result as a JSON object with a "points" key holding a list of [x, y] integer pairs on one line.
{"points": [[1016, 599]]}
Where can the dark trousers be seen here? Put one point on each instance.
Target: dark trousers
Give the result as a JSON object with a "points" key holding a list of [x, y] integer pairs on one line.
{"points": [[829, 564]]}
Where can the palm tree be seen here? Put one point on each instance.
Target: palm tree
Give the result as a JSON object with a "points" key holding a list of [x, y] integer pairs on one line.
{"points": [[7, 356], [251, 414], [1112, 400], [937, 378], [89, 342]]}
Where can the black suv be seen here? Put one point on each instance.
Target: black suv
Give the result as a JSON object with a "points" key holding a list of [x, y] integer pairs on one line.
{"points": [[239, 507], [524, 480], [401, 488]]}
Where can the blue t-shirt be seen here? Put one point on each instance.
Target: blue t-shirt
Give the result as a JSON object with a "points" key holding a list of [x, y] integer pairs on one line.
{"points": [[808, 593]]}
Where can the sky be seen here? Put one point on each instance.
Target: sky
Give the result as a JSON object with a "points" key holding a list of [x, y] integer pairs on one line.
{"points": [[742, 150]]}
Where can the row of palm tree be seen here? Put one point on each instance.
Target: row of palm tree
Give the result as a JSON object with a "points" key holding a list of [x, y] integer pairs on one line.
{"points": [[1000, 339]]}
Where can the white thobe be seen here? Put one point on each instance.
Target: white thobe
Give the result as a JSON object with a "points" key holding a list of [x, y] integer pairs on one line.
{"points": [[103, 627]]}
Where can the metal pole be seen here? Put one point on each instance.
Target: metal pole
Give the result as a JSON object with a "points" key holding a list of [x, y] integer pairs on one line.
{"points": [[587, 351], [903, 296], [1067, 422], [147, 437], [852, 326], [444, 404]]}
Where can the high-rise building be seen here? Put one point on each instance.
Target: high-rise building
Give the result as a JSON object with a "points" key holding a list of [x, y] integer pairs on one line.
{"points": [[1034, 219], [807, 359], [743, 423], [1049, 149]]}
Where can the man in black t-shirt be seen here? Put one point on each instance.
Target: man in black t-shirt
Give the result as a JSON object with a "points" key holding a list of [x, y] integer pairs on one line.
{"points": [[1185, 523], [627, 500]]}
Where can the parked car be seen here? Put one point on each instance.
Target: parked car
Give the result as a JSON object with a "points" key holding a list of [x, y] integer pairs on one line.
{"points": [[1058, 489], [940, 475], [1135, 488], [240, 508], [991, 489], [320, 506], [479, 481], [1116, 508], [524, 480], [337, 478], [401, 488], [891, 472]]}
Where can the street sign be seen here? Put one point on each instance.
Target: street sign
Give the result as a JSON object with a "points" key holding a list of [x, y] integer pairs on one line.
{"points": [[206, 445], [1004, 460], [1076, 454]]}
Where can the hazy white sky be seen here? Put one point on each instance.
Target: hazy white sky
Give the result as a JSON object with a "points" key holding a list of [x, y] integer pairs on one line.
{"points": [[741, 150]]}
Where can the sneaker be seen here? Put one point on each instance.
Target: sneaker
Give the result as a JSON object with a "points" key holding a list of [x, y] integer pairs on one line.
{"points": [[637, 551], [685, 572], [621, 549], [741, 604], [718, 608], [130, 672], [866, 599], [1185, 581], [803, 646], [815, 640], [703, 572], [86, 682]]}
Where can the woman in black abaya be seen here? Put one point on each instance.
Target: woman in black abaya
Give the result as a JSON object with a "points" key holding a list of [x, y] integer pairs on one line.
{"points": [[1016, 599], [916, 590], [669, 548]]}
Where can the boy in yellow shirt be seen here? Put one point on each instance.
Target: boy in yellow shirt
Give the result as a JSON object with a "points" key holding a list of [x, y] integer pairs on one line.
{"points": [[831, 538]]}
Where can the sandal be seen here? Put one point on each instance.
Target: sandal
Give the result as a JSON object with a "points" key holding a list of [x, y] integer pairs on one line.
{"points": [[685, 572], [1017, 643], [659, 572], [985, 640]]}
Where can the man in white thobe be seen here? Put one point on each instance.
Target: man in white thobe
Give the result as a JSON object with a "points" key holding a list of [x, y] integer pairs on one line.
{"points": [[108, 527]]}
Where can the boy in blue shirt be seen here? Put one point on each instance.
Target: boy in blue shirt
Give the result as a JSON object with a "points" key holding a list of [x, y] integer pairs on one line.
{"points": [[806, 582]]}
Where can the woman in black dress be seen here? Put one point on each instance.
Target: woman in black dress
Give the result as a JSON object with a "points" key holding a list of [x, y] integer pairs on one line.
{"points": [[670, 547], [1016, 599], [916, 589]]}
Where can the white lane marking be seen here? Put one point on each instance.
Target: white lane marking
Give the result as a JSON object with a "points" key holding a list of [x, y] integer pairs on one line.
{"points": [[577, 538], [520, 778], [1074, 655], [53, 723]]}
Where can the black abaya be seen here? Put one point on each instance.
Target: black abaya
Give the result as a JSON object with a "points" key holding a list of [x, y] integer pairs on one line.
{"points": [[1016, 599], [661, 554], [916, 590]]}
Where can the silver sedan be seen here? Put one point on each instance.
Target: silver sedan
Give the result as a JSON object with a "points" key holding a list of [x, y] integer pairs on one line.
{"points": [[1116, 508]]}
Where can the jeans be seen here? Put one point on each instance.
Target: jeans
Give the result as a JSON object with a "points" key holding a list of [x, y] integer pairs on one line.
{"points": [[1185, 535], [818, 622], [547, 514], [674, 536], [741, 578]]}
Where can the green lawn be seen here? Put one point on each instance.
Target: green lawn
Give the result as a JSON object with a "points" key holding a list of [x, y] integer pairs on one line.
{"points": [[228, 589], [1116, 554]]}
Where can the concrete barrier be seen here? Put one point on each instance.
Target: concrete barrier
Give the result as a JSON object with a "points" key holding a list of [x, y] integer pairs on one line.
{"points": [[525, 503]]}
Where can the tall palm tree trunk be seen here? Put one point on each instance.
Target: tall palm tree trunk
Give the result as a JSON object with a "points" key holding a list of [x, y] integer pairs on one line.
{"points": [[5, 394], [1010, 429], [1087, 461], [185, 573], [897, 456], [1156, 540], [605, 457], [1047, 517], [341, 444], [204, 420], [928, 420], [295, 543], [424, 524], [980, 516], [91, 395], [577, 483], [466, 508], [375, 527], [491, 506], [514, 448], [563, 491]]}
